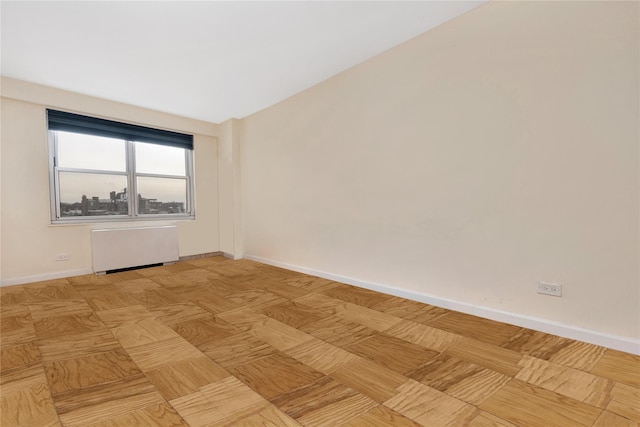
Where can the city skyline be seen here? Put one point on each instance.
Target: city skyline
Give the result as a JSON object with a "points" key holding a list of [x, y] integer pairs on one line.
{"points": [[118, 204]]}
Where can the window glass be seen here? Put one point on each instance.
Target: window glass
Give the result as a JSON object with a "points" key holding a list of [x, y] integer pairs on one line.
{"points": [[92, 194], [81, 151], [160, 159], [161, 195]]}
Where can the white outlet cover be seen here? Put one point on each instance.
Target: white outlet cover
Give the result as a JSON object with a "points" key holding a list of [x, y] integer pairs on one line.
{"points": [[553, 289]]}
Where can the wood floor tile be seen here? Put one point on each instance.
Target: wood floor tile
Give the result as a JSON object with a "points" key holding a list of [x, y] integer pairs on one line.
{"points": [[90, 281], [536, 344], [10, 310], [275, 375], [625, 401], [64, 307], [196, 275], [370, 379], [428, 406], [321, 355], [410, 310], [491, 357], [28, 406], [17, 322], [485, 419], [578, 355], [75, 374], [484, 330], [256, 299], [579, 385], [204, 332], [381, 416], [179, 379], [108, 299], [321, 302], [162, 415], [145, 331], [293, 314], [619, 366], [219, 286], [179, 267], [609, 419], [235, 272], [525, 404], [152, 298], [14, 380], [50, 327], [277, 287], [337, 331], [394, 353], [103, 402], [355, 295], [243, 318], [197, 410], [458, 378], [367, 317], [158, 353], [19, 356], [219, 403], [126, 315], [311, 283], [317, 395], [136, 286], [38, 293], [279, 335], [78, 345], [343, 410], [12, 295], [181, 312], [425, 336], [268, 417], [125, 276], [18, 337], [63, 281], [239, 349]]}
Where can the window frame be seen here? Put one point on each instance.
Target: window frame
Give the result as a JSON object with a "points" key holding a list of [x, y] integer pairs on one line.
{"points": [[131, 176]]}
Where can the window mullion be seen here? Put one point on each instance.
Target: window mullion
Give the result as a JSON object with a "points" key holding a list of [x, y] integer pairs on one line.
{"points": [[53, 176], [131, 179], [190, 176]]}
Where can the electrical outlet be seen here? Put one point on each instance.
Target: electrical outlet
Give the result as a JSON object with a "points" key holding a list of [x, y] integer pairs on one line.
{"points": [[552, 289], [63, 257]]}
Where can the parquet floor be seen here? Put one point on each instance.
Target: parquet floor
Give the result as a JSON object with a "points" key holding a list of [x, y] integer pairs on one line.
{"points": [[214, 342]]}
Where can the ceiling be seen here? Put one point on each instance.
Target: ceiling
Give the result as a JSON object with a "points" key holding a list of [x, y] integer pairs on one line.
{"points": [[206, 60]]}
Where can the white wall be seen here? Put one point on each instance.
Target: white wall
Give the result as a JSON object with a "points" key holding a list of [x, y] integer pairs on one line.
{"points": [[29, 243], [495, 151]]}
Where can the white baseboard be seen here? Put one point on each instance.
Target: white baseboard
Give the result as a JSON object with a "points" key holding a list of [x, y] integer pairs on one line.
{"points": [[42, 277], [547, 326]]}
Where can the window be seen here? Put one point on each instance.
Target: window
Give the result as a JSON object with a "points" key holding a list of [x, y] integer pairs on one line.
{"points": [[97, 165]]}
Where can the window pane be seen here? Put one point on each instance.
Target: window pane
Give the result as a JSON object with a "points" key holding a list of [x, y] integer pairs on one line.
{"points": [[76, 150], [160, 159], [88, 194], [162, 195]]}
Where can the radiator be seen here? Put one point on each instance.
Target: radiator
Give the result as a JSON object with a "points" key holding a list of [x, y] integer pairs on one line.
{"points": [[113, 249]]}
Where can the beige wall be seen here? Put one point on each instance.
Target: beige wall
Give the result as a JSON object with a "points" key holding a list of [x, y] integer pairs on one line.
{"points": [[496, 151], [29, 243], [229, 195]]}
